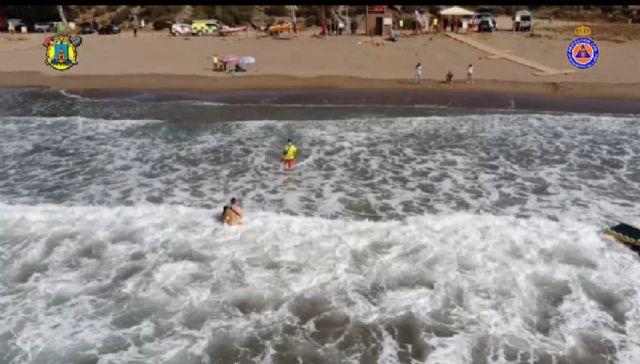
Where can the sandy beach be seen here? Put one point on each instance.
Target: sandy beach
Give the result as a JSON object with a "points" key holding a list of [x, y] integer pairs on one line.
{"points": [[157, 61]]}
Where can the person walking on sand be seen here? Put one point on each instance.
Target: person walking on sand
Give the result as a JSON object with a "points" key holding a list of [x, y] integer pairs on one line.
{"points": [[418, 73], [470, 75], [216, 63]]}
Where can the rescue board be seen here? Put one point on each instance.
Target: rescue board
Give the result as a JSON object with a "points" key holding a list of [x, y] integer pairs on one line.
{"points": [[626, 234]]}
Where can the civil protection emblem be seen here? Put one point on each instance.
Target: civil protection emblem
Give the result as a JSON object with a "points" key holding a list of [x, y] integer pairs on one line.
{"points": [[583, 52], [62, 51]]}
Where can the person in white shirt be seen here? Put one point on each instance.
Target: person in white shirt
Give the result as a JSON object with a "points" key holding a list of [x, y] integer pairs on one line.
{"points": [[470, 74]]}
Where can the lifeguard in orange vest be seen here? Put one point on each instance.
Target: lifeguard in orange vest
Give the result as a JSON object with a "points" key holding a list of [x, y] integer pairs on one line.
{"points": [[289, 155]]}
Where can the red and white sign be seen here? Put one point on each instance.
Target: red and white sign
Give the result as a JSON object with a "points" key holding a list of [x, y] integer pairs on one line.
{"points": [[377, 9]]}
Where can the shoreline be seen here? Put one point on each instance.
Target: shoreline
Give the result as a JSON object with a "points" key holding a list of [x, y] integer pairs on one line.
{"points": [[345, 91]]}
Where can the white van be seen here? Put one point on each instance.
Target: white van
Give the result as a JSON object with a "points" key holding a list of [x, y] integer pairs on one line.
{"points": [[523, 21]]}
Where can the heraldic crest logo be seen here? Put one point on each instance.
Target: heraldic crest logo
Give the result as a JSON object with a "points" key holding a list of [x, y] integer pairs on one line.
{"points": [[62, 51], [583, 52]]}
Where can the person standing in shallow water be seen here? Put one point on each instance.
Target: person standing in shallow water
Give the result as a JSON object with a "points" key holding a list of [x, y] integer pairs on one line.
{"points": [[232, 214], [289, 154], [418, 73]]}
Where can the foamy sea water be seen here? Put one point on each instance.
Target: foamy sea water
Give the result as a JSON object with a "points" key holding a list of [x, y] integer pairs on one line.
{"points": [[403, 235]]}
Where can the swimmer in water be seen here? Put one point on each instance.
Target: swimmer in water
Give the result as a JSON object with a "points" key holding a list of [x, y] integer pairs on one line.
{"points": [[232, 214]]}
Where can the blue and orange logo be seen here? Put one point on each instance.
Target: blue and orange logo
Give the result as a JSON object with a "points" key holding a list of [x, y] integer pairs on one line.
{"points": [[583, 52]]}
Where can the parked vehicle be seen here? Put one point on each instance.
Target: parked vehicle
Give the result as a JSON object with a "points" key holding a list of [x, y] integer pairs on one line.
{"points": [[109, 29], [485, 25], [478, 17], [180, 29], [44, 27], [475, 20], [17, 24], [87, 28], [205, 27], [493, 21], [523, 21], [161, 25]]}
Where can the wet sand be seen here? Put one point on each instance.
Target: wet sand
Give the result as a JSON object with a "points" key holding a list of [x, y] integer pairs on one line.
{"points": [[286, 90]]}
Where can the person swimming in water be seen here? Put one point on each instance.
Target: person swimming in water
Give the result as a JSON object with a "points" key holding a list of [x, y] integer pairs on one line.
{"points": [[232, 214]]}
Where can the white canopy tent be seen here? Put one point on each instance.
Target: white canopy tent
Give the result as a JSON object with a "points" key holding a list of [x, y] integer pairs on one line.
{"points": [[456, 11], [456, 18]]}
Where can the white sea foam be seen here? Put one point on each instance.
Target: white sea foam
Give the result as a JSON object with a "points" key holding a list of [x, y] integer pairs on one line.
{"points": [[169, 284], [92, 99], [41, 121], [72, 95], [521, 165], [486, 245]]}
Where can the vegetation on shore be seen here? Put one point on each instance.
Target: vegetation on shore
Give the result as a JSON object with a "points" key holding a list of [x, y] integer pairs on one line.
{"points": [[311, 14]]}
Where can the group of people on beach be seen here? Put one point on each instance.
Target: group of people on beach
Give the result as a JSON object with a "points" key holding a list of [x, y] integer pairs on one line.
{"points": [[220, 65], [232, 214], [448, 77]]}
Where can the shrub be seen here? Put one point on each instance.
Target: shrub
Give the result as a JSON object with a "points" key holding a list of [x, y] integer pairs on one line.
{"points": [[357, 10], [234, 15], [409, 24], [121, 16], [30, 13], [311, 21], [308, 11], [559, 13], [160, 12], [619, 18], [100, 11], [276, 10], [410, 9], [608, 9], [231, 15]]}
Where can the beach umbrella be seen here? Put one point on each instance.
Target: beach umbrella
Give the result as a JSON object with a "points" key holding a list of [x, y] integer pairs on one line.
{"points": [[247, 60], [230, 58]]}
